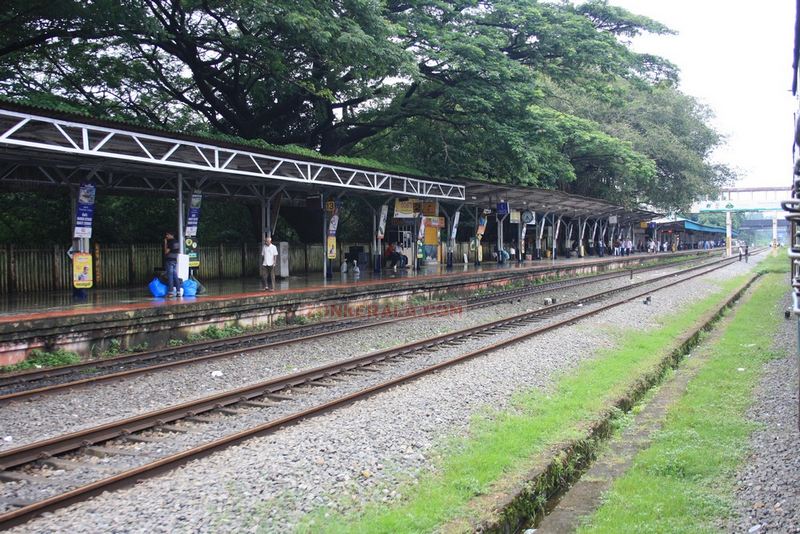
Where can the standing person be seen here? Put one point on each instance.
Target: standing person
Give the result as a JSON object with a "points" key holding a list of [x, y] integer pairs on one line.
{"points": [[741, 251], [268, 254], [747, 253], [171, 250]]}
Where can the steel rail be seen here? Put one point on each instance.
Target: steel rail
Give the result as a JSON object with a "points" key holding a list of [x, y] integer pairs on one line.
{"points": [[10, 379], [132, 475], [75, 440], [33, 376]]}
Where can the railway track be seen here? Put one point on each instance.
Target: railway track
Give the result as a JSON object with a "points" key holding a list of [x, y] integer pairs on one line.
{"points": [[129, 444], [18, 386]]}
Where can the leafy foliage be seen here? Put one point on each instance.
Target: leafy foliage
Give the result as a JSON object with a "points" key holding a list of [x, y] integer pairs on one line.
{"points": [[519, 91]]}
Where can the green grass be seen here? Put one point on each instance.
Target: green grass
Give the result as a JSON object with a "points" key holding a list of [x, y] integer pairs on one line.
{"points": [[504, 443], [41, 359], [684, 481]]}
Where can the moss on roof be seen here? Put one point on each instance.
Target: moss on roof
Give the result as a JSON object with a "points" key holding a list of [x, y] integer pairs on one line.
{"points": [[76, 112]]}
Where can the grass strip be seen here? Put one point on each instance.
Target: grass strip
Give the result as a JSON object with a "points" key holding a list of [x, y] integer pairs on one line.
{"points": [[684, 482], [504, 442]]}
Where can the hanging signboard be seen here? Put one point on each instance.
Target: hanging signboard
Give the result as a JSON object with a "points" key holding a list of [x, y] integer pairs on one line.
{"points": [[194, 215], [82, 275], [434, 222], [481, 226], [333, 225], [430, 208], [404, 209], [612, 219], [502, 208], [85, 212], [514, 217], [454, 230], [421, 232], [382, 221]]}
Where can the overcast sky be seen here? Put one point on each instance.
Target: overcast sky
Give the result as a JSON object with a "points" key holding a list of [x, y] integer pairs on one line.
{"points": [[736, 57]]}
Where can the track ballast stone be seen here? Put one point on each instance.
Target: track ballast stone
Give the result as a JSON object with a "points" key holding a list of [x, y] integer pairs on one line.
{"points": [[367, 452], [768, 486]]}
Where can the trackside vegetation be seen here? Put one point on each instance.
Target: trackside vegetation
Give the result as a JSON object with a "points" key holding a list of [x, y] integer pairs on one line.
{"points": [[504, 445], [684, 481]]}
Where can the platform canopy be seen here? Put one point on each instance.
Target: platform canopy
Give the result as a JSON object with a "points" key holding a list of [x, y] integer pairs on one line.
{"points": [[488, 194], [684, 225], [50, 148], [53, 148]]}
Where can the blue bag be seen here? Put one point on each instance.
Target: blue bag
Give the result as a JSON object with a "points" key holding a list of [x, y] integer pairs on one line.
{"points": [[157, 288], [189, 288]]}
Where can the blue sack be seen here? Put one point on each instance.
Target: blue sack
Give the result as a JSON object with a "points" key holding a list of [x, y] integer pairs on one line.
{"points": [[189, 288], [158, 289]]}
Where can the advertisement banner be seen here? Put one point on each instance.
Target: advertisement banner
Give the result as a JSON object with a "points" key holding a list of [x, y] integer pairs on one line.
{"points": [[382, 221], [404, 209], [85, 213], [522, 238], [194, 215], [481, 226], [454, 229], [422, 223], [434, 222], [333, 224], [82, 276], [331, 247]]}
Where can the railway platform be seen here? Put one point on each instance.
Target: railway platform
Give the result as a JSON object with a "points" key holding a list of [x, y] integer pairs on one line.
{"points": [[131, 316]]}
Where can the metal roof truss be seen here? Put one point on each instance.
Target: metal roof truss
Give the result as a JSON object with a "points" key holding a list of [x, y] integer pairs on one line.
{"points": [[56, 136]]}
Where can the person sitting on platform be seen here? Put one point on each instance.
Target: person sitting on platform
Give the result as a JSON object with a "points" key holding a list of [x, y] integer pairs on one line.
{"points": [[393, 257]]}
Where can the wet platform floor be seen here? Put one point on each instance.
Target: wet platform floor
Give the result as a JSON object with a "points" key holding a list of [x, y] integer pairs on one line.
{"points": [[19, 307]]}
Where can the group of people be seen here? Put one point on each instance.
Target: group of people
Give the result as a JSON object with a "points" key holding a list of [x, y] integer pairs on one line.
{"points": [[623, 247]]}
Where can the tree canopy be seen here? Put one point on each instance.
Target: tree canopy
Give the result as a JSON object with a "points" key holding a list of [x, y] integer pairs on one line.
{"points": [[522, 91]]}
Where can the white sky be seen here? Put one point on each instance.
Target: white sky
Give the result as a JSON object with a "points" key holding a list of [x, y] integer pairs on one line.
{"points": [[736, 57]]}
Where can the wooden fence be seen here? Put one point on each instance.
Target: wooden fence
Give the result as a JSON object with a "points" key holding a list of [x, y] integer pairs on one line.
{"points": [[29, 270]]}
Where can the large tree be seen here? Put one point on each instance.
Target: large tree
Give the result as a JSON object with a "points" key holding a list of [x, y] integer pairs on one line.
{"points": [[451, 87], [319, 73]]}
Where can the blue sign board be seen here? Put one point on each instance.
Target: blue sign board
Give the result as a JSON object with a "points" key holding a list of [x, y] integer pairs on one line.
{"points": [[85, 212]]}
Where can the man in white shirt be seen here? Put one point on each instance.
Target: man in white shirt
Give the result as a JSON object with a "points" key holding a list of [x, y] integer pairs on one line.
{"points": [[268, 254]]}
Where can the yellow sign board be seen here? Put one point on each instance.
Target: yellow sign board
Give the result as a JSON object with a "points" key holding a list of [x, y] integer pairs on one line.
{"points": [[82, 276], [331, 247]]}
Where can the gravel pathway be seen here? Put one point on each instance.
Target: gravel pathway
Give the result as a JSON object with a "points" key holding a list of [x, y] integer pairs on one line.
{"points": [[67, 411], [366, 452], [768, 488]]}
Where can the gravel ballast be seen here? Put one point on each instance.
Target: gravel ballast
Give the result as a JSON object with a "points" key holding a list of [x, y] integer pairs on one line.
{"points": [[71, 410], [768, 487], [359, 453]]}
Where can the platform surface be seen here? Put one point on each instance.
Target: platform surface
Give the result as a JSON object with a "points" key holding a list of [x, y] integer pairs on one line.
{"points": [[18, 307]]}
